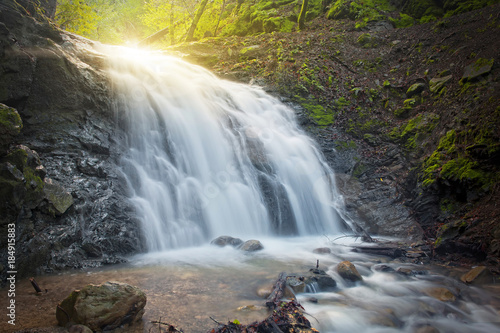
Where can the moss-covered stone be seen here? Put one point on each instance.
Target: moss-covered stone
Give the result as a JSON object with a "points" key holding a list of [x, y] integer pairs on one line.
{"points": [[479, 68], [341, 9], [10, 126], [59, 199], [437, 83], [366, 41], [450, 162], [415, 89]]}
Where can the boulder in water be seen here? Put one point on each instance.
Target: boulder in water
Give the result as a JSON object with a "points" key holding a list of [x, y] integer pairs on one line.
{"points": [[441, 293], [102, 307], [322, 250], [324, 281], [226, 240], [251, 245], [477, 275], [348, 271]]}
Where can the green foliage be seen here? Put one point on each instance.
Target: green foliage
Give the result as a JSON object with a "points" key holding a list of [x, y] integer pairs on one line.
{"points": [[79, 17], [420, 8], [454, 7], [404, 21], [109, 22]]}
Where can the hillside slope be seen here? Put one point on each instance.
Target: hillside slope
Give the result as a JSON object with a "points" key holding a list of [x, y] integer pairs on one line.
{"points": [[408, 117]]}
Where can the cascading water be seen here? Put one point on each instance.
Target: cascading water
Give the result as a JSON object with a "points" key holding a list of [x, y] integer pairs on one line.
{"points": [[208, 157]]}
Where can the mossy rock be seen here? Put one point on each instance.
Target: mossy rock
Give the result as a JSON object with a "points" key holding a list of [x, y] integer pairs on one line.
{"points": [[59, 199], [367, 41], [102, 307], [10, 126], [438, 83], [415, 89], [251, 52], [477, 69], [341, 9]]}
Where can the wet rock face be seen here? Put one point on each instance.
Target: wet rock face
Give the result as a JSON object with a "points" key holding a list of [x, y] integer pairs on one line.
{"points": [[64, 193], [369, 185], [45, 7]]}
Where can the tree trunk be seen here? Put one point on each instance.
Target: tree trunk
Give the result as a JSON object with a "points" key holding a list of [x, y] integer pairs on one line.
{"points": [[172, 37], [196, 19], [302, 15], [220, 16], [154, 37]]}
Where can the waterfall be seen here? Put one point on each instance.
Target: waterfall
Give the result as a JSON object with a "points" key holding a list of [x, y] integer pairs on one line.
{"points": [[208, 157]]}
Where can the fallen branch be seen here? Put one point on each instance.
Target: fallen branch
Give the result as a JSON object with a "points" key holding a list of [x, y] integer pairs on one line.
{"points": [[170, 328], [274, 300], [35, 285]]}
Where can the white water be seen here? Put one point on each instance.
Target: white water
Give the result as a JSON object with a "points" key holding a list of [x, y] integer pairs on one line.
{"points": [[208, 157]]}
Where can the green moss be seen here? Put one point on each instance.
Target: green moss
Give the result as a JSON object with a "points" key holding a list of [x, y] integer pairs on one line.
{"points": [[17, 157], [454, 7], [341, 102], [412, 133], [451, 162], [359, 170], [322, 116], [9, 118], [345, 145], [366, 41], [402, 112]]}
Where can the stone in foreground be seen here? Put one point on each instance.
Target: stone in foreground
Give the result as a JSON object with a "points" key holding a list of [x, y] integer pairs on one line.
{"points": [[348, 271], [102, 307]]}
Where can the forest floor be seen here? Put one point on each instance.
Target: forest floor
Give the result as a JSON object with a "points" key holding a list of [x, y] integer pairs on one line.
{"points": [[353, 87]]}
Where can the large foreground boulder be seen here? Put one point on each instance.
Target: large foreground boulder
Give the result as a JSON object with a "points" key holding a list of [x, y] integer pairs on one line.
{"points": [[102, 307]]}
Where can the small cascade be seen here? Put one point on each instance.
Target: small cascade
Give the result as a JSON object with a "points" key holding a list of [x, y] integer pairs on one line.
{"points": [[207, 157]]}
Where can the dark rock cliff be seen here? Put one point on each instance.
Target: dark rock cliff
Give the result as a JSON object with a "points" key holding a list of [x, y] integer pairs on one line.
{"points": [[60, 181]]}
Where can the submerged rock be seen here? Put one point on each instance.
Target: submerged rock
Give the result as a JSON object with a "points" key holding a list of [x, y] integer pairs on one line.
{"points": [[226, 240], [479, 274], [102, 307], [441, 293], [251, 246], [320, 279]]}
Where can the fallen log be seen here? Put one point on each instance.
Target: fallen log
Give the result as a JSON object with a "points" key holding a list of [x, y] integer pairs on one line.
{"points": [[274, 300], [392, 252], [154, 37]]}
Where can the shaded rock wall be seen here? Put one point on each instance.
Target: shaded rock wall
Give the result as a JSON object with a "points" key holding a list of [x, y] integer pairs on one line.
{"points": [[81, 217]]}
